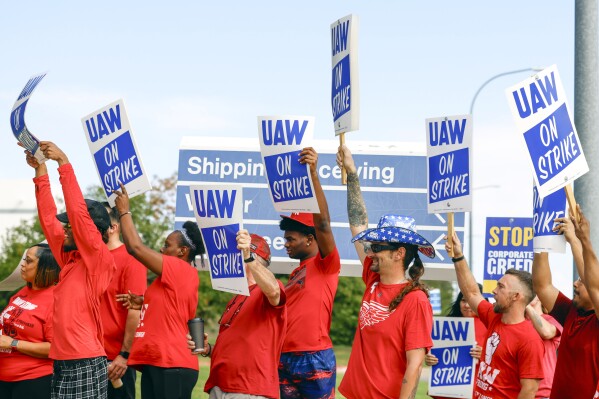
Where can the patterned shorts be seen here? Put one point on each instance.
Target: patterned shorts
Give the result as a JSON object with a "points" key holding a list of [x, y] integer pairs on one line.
{"points": [[80, 379], [309, 375]]}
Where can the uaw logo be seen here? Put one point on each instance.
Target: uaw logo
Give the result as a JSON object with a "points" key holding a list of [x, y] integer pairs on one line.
{"points": [[486, 373]]}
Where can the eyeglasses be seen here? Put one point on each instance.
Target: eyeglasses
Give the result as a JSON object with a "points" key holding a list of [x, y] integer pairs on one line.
{"points": [[376, 248], [237, 310]]}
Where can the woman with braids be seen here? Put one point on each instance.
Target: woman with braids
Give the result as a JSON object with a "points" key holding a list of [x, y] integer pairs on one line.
{"points": [[395, 320], [159, 349], [26, 329]]}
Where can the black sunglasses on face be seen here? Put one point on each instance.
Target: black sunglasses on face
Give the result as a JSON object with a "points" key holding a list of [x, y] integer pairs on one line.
{"points": [[376, 248]]}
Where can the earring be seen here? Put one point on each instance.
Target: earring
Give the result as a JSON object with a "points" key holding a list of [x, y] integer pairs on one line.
{"points": [[308, 244]]}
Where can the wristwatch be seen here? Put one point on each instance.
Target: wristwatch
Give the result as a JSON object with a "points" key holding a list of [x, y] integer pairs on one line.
{"points": [[14, 343], [124, 354], [250, 259]]}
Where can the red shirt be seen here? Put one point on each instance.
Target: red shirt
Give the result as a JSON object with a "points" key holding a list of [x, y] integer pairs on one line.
{"points": [[310, 294], [27, 317], [246, 354], [511, 352], [84, 275], [170, 302], [378, 358], [550, 358], [578, 358], [130, 275]]}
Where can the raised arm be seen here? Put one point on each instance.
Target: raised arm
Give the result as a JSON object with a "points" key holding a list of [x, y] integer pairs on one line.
{"points": [[356, 208], [322, 220], [541, 280], [565, 226], [466, 282], [591, 264], [545, 329]]}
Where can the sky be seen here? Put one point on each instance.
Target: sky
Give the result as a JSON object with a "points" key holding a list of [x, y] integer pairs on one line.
{"points": [[197, 68]]}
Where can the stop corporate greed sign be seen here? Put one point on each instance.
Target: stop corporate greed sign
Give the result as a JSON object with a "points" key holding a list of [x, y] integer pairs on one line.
{"points": [[541, 112], [111, 143], [449, 140], [281, 140]]}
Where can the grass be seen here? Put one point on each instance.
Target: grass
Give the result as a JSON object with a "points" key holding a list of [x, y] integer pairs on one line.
{"points": [[341, 353]]}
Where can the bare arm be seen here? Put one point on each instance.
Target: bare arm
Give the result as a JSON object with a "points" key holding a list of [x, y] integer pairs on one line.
{"points": [[591, 264], [545, 329], [565, 226], [118, 367], [409, 385], [541, 280], [33, 349], [356, 208], [528, 388], [265, 280], [466, 281]]}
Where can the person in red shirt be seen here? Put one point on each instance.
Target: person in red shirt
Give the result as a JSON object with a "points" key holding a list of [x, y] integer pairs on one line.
{"points": [[308, 368], [461, 308], [252, 325], [512, 359], [79, 246], [159, 347], [119, 322], [26, 329], [578, 358], [396, 318]]}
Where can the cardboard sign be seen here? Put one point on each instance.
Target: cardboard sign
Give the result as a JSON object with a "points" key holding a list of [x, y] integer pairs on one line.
{"points": [[453, 376], [281, 141], [14, 280], [345, 92], [545, 211], [219, 213], [449, 156], [508, 245], [111, 143], [17, 119], [542, 116]]}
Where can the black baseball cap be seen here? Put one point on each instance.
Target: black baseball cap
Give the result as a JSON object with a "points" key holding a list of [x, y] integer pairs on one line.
{"points": [[96, 210]]}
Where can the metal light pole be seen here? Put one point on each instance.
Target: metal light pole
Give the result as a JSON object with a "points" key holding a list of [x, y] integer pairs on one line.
{"points": [[470, 221]]}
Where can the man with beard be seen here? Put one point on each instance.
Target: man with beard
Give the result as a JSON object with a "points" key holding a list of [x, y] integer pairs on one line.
{"points": [[87, 266], [511, 364], [308, 368], [577, 367]]}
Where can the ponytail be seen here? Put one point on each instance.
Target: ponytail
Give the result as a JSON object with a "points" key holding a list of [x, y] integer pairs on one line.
{"points": [[415, 272]]}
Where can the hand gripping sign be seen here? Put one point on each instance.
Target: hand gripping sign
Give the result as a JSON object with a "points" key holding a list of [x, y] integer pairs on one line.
{"points": [[111, 143], [17, 119]]}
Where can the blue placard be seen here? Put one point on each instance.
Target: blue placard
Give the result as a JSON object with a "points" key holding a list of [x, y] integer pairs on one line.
{"points": [[552, 144], [449, 175], [341, 87], [221, 245], [435, 300], [546, 210], [288, 179], [454, 367], [117, 162], [508, 245]]}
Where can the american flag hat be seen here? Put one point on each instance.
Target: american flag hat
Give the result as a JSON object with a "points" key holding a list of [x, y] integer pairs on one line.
{"points": [[397, 229]]}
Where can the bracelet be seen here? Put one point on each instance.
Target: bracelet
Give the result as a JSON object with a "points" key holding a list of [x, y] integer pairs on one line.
{"points": [[209, 351], [125, 213], [124, 354], [455, 260]]}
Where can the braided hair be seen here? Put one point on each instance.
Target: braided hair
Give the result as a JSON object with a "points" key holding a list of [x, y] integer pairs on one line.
{"points": [[415, 272]]}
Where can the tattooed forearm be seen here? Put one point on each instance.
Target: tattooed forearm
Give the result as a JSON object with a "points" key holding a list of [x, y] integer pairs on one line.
{"points": [[356, 208]]}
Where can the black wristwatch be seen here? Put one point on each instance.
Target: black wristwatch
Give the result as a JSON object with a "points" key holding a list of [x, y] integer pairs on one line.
{"points": [[250, 259], [124, 354]]}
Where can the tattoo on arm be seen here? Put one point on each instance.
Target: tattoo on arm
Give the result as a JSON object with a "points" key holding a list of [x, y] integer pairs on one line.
{"points": [[405, 381], [356, 209]]}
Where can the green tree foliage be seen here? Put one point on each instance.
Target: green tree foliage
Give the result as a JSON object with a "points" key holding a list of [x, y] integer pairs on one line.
{"points": [[345, 310]]}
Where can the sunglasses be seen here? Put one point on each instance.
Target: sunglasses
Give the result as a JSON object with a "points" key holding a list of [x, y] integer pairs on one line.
{"points": [[376, 248]]}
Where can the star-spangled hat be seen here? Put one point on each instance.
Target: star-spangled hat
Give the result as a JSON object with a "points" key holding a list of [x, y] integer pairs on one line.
{"points": [[397, 229]]}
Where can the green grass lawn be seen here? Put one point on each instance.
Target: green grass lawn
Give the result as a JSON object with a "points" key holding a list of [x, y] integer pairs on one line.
{"points": [[341, 353]]}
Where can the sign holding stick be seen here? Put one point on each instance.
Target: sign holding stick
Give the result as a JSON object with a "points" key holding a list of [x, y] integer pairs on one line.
{"points": [[17, 119], [281, 141], [116, 156], [571, 202], [450, 231], [542, 116], [545, 211], [219, 213]]}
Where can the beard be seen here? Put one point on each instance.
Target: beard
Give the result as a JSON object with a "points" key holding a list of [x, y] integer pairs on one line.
{"points": [[69, 247], [498, 308]]}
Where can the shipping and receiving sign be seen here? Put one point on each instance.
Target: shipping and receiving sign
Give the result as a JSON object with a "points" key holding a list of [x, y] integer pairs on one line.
{"points": [[115, 154], [508, 245], [219, 213], [449, 150], [453, 376], [281, 141], [392, 178], [344, 91], [542, 116], [17, 119], [545, 211]]}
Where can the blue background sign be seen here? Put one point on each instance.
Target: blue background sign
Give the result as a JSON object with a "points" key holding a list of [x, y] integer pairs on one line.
{"points": [[454, 367], [435, 300], [225, 258], [449, 175], [118, 162], [341, 90], [289, 179], [553, 206]]}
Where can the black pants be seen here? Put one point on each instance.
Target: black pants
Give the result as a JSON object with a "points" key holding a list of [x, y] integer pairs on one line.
{"points": [[127, 391], [167, 383], [37, 388]]}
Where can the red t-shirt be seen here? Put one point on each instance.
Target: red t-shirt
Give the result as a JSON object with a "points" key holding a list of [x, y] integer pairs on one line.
{"points": [[549, 359], [511, 352], [85, 272], [310, 294], [130, 275], [378, 358], [246, 354], [170, 302], [27, 317], [577, 368]]}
